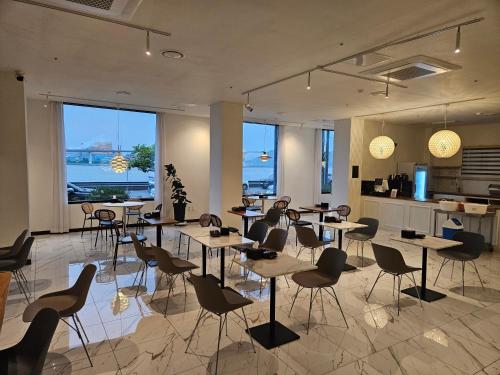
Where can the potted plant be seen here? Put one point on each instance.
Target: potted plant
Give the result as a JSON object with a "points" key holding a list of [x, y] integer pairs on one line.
{"points": [[179, 196]]}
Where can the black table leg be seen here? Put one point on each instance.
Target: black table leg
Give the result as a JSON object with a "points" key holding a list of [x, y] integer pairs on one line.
{"points": [[222, 256], [347, 267], [245, 225], [158, 235], [320, 231], [272, 334], [427, 295], [340, 238], [204, 260]]}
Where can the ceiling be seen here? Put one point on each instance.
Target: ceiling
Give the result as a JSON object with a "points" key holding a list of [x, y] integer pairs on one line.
{"points": [[232, 46]]}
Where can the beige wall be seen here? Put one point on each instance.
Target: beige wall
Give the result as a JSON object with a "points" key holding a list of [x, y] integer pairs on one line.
{"points": [[14, 199]]}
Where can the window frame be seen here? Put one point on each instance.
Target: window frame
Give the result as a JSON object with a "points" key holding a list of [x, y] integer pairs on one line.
{"points": [[146, 199], [327, 131], [275, 161]]}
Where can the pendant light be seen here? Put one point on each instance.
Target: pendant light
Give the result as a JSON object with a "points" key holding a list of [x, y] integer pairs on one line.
{"points": [[148, 42], [444, 143], [382, 147], [308, 87], [264, 156], [119, 163]]}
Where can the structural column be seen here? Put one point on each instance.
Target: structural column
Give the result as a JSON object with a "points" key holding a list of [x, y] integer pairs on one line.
{"points": [[226, 154], [14, 201]]}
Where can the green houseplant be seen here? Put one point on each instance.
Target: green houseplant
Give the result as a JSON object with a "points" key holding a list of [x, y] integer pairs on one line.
{"points": [[179, 196]]}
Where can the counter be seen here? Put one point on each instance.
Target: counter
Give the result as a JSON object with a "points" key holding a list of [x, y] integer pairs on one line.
{"points": [[399, 213]]}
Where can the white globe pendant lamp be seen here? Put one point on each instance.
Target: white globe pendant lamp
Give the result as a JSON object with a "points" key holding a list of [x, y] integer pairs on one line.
{"points": [[444, 143], [119, 163], [382, 147]]}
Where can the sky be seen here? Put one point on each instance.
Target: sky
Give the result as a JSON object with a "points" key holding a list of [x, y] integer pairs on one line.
{"points": [[258, 137]]}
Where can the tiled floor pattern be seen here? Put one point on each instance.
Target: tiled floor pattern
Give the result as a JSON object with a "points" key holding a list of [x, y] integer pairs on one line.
{"points": [[128, 335]]}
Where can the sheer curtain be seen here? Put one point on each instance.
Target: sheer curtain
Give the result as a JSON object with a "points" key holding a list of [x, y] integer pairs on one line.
{"points": [[161, 191], [60, 207], [280, 163], [317, 165]]}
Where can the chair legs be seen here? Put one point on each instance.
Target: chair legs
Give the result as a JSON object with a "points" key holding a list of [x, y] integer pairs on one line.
{"points": [[446, 261], [79, 333], [440, 268], [477, 272], [22, 284], [380, 274]]}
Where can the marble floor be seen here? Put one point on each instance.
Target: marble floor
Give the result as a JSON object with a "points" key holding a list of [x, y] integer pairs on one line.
{"points": [[128, 335]]}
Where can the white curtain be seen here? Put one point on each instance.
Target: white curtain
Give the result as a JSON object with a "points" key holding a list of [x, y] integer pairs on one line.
{"points": [[280, 163], [317, 165], [162, 193], [60, 208]]}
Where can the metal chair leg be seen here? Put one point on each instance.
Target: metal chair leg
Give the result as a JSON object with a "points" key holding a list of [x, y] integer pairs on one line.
{"points": [[477, 272], [463, 278], [81, 339], [200, 315], [83, 226], [399, 290], [310, 307], [334, 295], [371, 290], [221, 326], [416, 288], [362, 253], [440, 268], [294, 298], [172, 282], [140, 280], [83, 329], [248, 330], [156, 287]]}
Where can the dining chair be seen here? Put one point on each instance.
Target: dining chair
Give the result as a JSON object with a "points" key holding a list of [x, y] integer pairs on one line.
{"points": [[88, 215], [28, 356], [309, 240], [15, 264], [471, 248], [67, 303], [106, 219], [249, 204], [391, 262], [147, 256], [282, 205], [272, 218], [362, 235], [170, 267], [330, 266], [132, 211], [295, 221], [219, 301], [11, 251], [256, 233]]}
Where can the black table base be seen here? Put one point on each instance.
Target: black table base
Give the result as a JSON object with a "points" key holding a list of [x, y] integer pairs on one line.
{"points": [[426, 295], [272, 335], [204, 265], [347, 267]]}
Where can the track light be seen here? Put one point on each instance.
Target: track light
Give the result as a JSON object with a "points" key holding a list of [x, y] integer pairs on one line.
{"points": [[387, 87], [457, 41], [247, 105], [148, 52], [308, 81]]}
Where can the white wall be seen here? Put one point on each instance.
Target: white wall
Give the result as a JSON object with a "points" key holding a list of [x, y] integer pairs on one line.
{"points": [[14, 199]]}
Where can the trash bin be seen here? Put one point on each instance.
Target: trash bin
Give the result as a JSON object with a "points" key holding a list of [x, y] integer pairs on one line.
{"points": [[452, 226]]}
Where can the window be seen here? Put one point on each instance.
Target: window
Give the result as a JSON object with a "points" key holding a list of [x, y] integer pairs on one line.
{"points": [[259, 158], [326, 161], [94, 135]]}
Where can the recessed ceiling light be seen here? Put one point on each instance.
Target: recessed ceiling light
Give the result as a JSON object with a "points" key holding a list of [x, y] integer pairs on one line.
{"points": [[486, 113], [122, 92], [172, 54]]}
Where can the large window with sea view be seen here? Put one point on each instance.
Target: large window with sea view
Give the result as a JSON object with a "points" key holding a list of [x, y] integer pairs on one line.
{"points": [[109, 152]]}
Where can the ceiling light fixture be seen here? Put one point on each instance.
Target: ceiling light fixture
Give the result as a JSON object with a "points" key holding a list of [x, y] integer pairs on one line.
{"points": [[119, 163], [172, 54], [457, 41], [264, 156], [382, 147], [46, 104], [248, 107], [148, 51], [444, 143], [387, 87], [308, 81]]}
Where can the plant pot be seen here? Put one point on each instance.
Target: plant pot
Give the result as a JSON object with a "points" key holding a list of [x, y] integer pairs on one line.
{"points": [[179, 211]]}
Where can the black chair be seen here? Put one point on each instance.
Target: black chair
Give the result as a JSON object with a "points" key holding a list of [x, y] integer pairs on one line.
{"points": [[392, 262], [158, 208], [146, 255], [361, 235], [88, 215], [124, 240], [283, 206], [275, 241], [27, 357], [330, 266], [294, 220], [272, 218], [257, 233], [106, 220], [11, 251], [215, 221], [343, 211], [15, 265], [471, 248], [309, 240], [250, 204]]}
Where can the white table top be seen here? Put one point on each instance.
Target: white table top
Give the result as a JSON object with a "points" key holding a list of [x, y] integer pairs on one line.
{"points": [[123, 204], [282, 265], [223, 241], [343, 225], [195, 231], [429, 242]]}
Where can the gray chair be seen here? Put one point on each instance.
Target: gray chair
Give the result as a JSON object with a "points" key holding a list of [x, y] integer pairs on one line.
{"points": [[67, 303], [218, 301], [272, 217], [147, 256], [257, 233], [471, 248], [11, 251], [28, 356], [361, 235], [330, 266], [308, 240], [171, 267], [15, 264], [392, 262], [295, 221], [275, 241]]}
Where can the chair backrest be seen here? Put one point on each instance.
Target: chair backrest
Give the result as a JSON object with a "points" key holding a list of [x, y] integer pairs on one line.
{"points": [[331, 262], [210, 296], [32, 349], [307, 237], [276, 240], [245, 201], [82, 286], [472, 243], [216, 221], [280, 204], [104, 214], [159, 207], [343, 210], [22, 255], [257, 232], [164, 259], [371, 226], [17, 245], [116, 228], [134, 208], [286, 198], [139, 248], [273, 216], [205, 220], [389, 258], [292, 214], [87, 207]]}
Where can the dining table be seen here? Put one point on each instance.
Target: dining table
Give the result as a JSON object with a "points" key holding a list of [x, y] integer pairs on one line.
{"points": [[246, 215], [124, 206], [428, 242], [4, 291], [321, 211], [273, 333]]}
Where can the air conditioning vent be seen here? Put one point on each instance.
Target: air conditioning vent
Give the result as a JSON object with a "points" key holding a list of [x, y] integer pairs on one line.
{"points": [[412, 68], [101, 4]]}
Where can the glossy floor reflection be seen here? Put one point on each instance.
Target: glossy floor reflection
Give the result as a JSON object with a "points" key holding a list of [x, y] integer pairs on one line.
{"points": [[128, 335]]}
